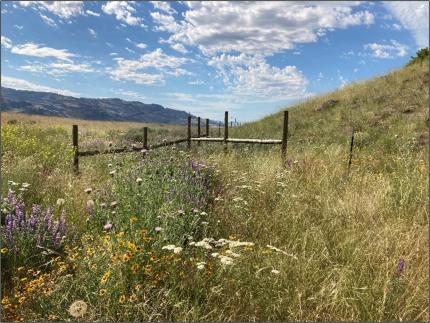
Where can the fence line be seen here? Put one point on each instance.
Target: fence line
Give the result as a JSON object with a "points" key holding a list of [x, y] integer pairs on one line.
{"points": [[200, 138]]}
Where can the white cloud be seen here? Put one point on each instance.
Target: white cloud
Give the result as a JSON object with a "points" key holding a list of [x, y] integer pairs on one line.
{"points": [[252, 76], [130, 50], [6, 42], [113, 54], [21, 84], [48, 21], [18, 27], [180, 48], [136, 70], [92, 13], [56, 69], [123, 11], [165, 22], [163, 6], [196, 82], [129, 40], [387, 50], [141, 45], [259, 26], [63, 9], [129, 94], [414, 16], [92, 32], [31, 49]]}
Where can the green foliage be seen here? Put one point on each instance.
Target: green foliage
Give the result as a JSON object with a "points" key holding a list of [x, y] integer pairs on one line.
{"points": [[421, 55]]}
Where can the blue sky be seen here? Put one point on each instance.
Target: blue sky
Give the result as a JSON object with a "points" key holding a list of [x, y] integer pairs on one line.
{"points": [[250, 58]]}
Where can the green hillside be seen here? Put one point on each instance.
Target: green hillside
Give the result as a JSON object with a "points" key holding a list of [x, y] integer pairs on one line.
{"points": [[380, 109]]}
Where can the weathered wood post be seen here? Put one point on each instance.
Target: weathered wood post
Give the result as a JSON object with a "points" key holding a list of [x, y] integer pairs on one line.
{"points": [[198, 130], [145, 137], [207, 127], [75, 149], [189, 132], [225, 130], [219, 129], [284, 138], [350, 150]]}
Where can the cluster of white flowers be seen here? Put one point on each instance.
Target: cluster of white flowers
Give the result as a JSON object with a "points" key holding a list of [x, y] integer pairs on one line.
{"points": [[201, 265], [173, 248]]}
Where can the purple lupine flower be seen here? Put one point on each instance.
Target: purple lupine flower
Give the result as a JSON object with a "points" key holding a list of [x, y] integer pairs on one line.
{"points": [[158, 229], [107, 226], [35, 210], [400, 266]]}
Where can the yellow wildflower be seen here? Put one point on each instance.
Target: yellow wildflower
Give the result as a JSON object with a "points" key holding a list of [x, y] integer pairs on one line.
{"points": [[133, 219], [21, 300], [90, 252], [135, 268], [131, 246], [121, 299], [4, 250], [102, 292], [105, 277], [133, 298], [5, 300], [120, 234], [126, 257], [121, 243], [138, 287]]}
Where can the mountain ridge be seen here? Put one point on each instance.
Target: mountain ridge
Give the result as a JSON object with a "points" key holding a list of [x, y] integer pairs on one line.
{"points": [[105, 109]]}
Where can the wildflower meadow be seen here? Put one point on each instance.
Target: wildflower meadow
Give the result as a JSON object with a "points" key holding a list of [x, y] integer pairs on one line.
{"points": [[201, 234]]}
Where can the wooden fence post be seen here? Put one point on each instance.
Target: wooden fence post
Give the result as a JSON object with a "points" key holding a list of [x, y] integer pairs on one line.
{"points": [[350, 150], [189, 132], [207, 127], [219, 129], [225, 130], [284, 138], [75, 149], [198, 130], [145, 137]]}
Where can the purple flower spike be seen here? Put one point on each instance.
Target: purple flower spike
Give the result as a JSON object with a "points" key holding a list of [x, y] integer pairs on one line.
{"points": [[107, 226], [400, 266]]}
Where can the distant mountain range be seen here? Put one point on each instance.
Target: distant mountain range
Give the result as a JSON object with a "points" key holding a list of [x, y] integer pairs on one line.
{"points": [[51, 104]]}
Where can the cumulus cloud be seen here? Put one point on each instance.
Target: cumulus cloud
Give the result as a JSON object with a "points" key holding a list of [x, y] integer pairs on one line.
{"points": [[259, 26], [63, 9], [413, 16], [163, 6], [123, 11], [390, 50], [141, 45], [251, 75], [137, 70], [6, 42], [180, 48], [165, 22], [32, 49], [21, 84]]}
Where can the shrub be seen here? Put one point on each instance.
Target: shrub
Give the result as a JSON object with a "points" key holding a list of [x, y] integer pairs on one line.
{"points": [[421, 55]]}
